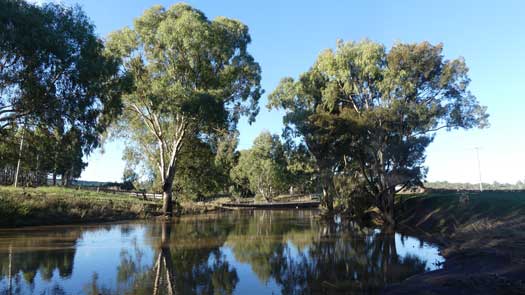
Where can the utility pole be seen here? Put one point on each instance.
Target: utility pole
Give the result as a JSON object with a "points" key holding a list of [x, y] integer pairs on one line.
{"points": [[479, 169]]}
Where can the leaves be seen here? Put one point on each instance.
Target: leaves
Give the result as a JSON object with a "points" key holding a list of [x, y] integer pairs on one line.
{"points": [[192, 79], [263, 166], [57, 84], [362, 110]]}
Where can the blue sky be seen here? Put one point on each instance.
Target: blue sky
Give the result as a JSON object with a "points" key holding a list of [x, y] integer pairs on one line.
{"points": [[288, 35]]}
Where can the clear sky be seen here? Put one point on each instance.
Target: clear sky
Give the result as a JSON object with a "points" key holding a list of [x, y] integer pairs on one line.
{"points": [[288, 35]]}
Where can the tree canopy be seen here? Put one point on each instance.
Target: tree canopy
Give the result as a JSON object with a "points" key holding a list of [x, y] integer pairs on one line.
{"points": [[370, 113], [54, 71], [191, 77], [263, 166], [56, 83]]}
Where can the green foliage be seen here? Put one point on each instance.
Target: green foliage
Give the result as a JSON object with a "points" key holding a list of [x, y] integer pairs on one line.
{"points": [[300, 167], [203, 167], [58, 88], [197, 176], [191, 77], [369, 113], [43, 152], [226, 157], [263, 167], [54, 70], [129, 179]]}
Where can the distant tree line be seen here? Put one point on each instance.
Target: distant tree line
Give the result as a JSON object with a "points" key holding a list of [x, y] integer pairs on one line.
{"points": [[519, 185]]}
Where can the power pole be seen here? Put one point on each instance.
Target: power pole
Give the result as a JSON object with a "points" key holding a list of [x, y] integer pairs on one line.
{"points": [[479, 169]]}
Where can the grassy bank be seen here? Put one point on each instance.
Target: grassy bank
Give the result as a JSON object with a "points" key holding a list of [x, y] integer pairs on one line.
{"points": [[482, 237], [57, 205]]}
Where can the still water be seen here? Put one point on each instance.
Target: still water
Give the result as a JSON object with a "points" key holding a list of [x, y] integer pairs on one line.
{"points": [[241, 252]]}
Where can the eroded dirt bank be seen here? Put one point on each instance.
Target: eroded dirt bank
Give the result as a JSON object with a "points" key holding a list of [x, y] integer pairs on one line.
{"points": [[482, 237]]}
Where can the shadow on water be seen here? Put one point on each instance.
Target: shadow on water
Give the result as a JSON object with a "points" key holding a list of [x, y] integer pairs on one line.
{"points": [[288, 252]]}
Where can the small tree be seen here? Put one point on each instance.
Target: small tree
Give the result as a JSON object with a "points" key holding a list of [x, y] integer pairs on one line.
{"points": [[191, 77], [264, 166], [129, 179]]}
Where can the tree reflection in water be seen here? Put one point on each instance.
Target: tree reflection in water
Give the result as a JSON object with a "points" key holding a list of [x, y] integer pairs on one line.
{"points": [[192, 251], [52, 251], [323, 257], [164, 265], [295, 251], [187, 260]]}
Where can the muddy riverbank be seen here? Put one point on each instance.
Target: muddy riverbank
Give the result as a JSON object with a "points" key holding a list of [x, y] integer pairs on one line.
{"points": [[481, 236]]}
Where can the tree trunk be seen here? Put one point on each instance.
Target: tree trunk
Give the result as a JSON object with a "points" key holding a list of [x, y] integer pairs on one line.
{"points": [[167, 202], [65, 179], [327, 201], [19, 158], [387, 207]]}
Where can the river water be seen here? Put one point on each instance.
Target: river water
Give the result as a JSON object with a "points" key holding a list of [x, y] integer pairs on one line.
{"points": [[239, 252]]}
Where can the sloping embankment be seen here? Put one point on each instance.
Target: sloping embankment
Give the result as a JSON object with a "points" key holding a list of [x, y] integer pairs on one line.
{"points": [[482, 237], [52, 205]]}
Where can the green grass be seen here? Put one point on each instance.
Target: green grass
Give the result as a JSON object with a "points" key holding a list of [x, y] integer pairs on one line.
{"points": [[67, 193], [58, 205]]}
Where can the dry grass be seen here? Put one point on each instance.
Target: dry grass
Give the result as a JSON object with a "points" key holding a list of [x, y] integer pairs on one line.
{"points": [[489, 223], [482, 239], [501, 237]]}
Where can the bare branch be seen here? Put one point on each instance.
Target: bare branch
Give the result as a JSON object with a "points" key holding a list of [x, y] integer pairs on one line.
{"points": [[433, 130], [147, 120]]}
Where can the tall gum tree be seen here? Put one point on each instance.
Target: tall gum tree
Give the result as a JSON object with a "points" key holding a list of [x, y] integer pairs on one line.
{"points": [[191, 77], [373, 112]]}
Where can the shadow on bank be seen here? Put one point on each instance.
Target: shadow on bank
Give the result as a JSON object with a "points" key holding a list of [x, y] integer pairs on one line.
{"points": [[481, 235]]}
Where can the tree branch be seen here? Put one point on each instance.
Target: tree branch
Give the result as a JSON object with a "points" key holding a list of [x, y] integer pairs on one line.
{"points": [[433, 130]]}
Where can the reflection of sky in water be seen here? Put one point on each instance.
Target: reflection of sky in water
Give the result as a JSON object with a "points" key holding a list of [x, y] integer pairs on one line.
{"points": [[96, 252], [406, 245], [99, 250]]}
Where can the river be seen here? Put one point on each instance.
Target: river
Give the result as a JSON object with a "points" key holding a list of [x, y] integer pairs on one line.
{"points": [[237, 252]]}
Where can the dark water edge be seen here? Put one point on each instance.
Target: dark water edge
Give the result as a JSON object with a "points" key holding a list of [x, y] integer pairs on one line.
{"points": [[239, 252]]}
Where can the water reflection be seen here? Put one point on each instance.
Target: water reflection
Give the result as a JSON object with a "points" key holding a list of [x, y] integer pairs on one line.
{"points": [[260, 252]]}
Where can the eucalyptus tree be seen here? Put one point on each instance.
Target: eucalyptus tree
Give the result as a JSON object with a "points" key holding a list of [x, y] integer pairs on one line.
{"points": [[300, 167], [264, 166], [54, 75], [378, 110], [54, 71], [191, 77]]}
